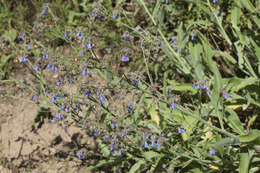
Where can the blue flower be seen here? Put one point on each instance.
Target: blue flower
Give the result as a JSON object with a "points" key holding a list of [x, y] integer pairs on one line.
{"points": [[145, 144], [52, 121], [193, 86], [48, 66], [36, 68], [204, 86], [111, 150], [166, 1], [35, 98], [181, 130], [89, 46], [198, 86], [58, 117], [214, 1], [58, 83], [89, 94], [115, 16], [83, 73], [125, 59], [102, 99], [212, 152], [112, 125], [66, 110], [29, 46], [130, 107], [226, 95], [153, 144], [124, 36], [45, 56], [65, 35], [44, 11], [53, 100], [174, 105], [79, 155], [57, 97], [158, 146], [119, 153], [53, 68], [70, 82], [62, 108], [74, 108], [22, 59], [95, 132], [193, 36]]}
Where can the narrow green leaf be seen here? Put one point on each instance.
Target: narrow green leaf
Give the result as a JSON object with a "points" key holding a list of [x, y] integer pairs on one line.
{"points": [[244, 162], [251, 136], [234, 122], [136, 166], [150, 155]]}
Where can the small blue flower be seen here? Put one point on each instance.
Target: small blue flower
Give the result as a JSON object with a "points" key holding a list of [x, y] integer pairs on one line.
{"points": [[70, 82], [58, 83], [62, 108], [125, 59], [57, 97], [130, 107], [193, 36], [204, 86], [166, 1], [53, 100], [193, 86], [80, 155], [56, 69], [65, 35], [45, 56], [207, 91], [124, 36], [198, 86], [174, 41], [158, 146], [89, 94], [127, 133], [74, 108], [153, 144], [53, 68], [48, 66], [58, 117], [226, 95], [36, 68], [181, 130], [102, 99], [119, 153], [145, 144], [214, 1], [44, 11], [115, 16], [112, 125], [66, 110], [85, 127], [52, 121], [174, 105], [89, 46], [35, 98], [29, 46], [95, 132], [83, 73], [20, 40], [22, 59], [111, 150], [106, 136], [212, 152]]}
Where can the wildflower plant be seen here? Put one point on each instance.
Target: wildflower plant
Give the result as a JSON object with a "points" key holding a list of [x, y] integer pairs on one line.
{"points": [[155, 87]]}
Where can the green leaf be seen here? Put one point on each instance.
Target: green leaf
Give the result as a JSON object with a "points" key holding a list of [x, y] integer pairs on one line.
{"points": [[234, 122], [244, 162], [11, 34], [251, 136], [99, 164], [150, 155], [248, 5], [136, 166]]}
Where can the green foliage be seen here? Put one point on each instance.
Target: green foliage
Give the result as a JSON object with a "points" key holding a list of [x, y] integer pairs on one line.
{"points": [[211, 73]]}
